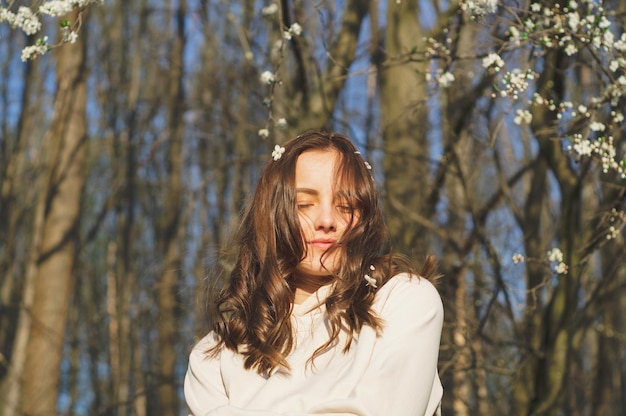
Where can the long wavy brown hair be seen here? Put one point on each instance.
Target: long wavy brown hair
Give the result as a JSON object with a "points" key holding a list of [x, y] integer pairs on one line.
{"points": [[253, 311]]}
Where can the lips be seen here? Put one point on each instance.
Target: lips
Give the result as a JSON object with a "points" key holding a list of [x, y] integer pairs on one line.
{"points": [[322, 243]]}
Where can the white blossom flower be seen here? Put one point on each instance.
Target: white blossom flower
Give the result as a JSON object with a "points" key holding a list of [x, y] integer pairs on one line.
{"points": [[597, 126], [35, 50], [56, 8], [522, 117], [479, 8], [571, 49], [614, 65], [270, 10], [561, 268], [580, 146], [278, 151], [264, 133], [445, 80], [518, 258], [281, 123], [26, 20], [607, 39], [573, 20], [555, 254], [514, 35], [6, 15], [267, 77], [620, 45], [294, 30], [604, 23], [516, 81], [493, 60], [70, 37], [370, 281]]}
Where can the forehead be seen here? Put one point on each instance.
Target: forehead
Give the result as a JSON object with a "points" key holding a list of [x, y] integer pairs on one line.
{"points": [[317, 168]]}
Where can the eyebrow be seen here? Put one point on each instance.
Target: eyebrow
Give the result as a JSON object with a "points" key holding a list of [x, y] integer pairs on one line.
{"points": [[308, 191], [313, 192]]}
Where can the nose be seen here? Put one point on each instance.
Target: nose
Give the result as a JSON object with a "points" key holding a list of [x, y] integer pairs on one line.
{"points": [[326, 220]]}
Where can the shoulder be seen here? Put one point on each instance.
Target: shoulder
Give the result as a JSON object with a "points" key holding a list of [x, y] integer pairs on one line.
{"points": [[201, 351], [409, 295]]}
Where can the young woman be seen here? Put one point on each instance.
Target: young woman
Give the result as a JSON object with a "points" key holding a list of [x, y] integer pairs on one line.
{"points": [[318, 319]]}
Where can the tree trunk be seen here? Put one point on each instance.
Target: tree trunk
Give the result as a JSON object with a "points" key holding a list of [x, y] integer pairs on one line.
{"points": [[170, 231], [55, 262], [17, 197], [405, 123]]}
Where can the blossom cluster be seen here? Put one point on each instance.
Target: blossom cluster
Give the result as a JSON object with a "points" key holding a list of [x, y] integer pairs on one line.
{"points": [[58, 8], [293, 30], [478, 8], [602, 148], [438, 50], [32, 51], [555, 256], [28, 20], [515, 82], [617, 223], [24, 19], [444, 79], [493, 61]]}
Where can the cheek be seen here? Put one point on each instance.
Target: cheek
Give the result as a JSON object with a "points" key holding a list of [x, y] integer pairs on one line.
{"points": [[348, 222], [306, 225]]}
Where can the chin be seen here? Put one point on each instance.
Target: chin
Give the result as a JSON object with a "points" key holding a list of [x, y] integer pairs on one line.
{"points": [[315, 271]]}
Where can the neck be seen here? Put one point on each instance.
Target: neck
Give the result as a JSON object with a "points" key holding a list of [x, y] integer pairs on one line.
{"points": [[304, 285]]}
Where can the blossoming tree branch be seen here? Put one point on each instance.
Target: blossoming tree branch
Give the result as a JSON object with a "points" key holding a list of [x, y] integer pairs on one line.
{"points": [[28, 19]]}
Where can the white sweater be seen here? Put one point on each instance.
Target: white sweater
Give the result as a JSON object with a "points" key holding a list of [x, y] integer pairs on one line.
{"points": [[394, 374]]}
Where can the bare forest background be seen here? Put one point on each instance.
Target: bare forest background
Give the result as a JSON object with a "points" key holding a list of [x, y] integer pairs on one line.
{"points": [[126, 156]]}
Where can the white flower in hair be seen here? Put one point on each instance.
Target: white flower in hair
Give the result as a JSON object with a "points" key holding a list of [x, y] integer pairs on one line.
{"points": [[278, 151], [370, 281], [367, 165]]}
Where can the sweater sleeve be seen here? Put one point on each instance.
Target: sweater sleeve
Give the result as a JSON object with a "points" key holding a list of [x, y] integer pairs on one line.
{"points": [[203, 382]]}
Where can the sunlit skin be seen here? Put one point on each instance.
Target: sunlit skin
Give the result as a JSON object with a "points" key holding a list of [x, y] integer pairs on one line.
{"points": [[323, 219]]}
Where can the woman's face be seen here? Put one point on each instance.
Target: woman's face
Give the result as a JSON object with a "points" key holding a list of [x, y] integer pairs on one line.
{"points": [[323, 215]]}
